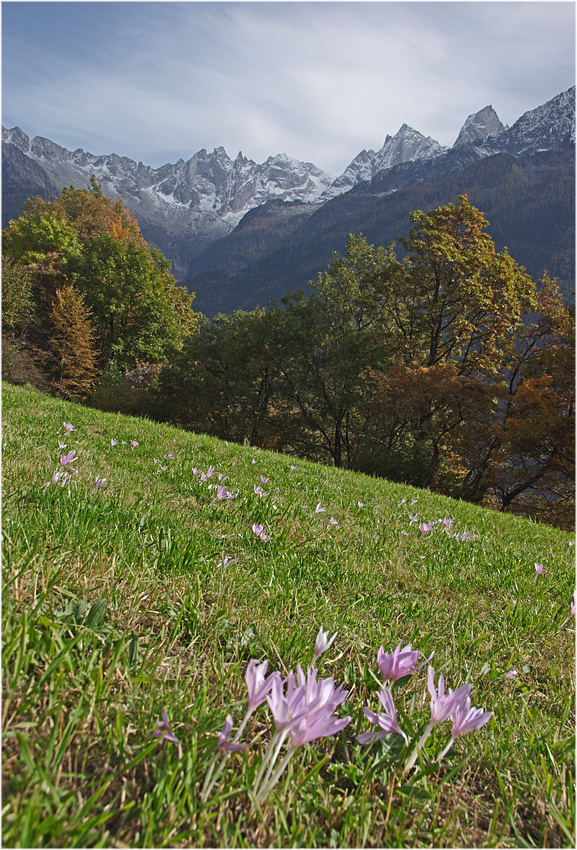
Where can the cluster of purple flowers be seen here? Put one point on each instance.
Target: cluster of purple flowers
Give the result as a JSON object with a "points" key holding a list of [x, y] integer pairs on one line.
{"points": [[450, 705], [303, 706]]}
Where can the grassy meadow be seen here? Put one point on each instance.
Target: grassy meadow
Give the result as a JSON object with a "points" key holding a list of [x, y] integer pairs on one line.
{"points": [[148, 593]]}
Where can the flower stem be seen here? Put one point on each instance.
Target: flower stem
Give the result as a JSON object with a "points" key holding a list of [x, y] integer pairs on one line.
{"points": [[269, 785], [447, 748], [415, 753], [275, 743]]}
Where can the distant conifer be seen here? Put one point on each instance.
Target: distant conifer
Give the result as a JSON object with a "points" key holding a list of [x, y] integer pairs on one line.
{"points": [[72, 353]]}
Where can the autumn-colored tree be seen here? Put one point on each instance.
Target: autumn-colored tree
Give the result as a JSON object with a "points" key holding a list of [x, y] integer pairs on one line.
{"points": [[72, 356], [85, 240]]}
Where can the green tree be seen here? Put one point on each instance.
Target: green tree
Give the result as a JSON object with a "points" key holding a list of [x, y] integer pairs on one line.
{"points": [[85, 240], [17, 300]]}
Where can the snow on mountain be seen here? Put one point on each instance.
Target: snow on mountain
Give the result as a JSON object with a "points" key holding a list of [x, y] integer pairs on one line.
{"points": [[185, 206], [547, 127], [407, 145], [209, 182], [479, 126]]}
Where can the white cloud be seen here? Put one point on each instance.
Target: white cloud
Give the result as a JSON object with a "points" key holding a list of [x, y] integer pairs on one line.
{"points": [[319, 81]]}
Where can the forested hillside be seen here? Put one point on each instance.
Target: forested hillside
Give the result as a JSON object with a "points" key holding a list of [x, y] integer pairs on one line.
{"points": [[529, 202], [438, 362]]}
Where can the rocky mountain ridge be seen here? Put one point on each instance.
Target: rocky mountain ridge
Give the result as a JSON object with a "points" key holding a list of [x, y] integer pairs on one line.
{"points": [[187, 208]]}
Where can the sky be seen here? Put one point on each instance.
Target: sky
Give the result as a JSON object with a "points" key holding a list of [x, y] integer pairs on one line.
{"points": [[319, 81]]}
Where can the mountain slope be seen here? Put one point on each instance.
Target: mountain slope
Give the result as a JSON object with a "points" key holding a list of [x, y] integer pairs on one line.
{"points": [[271, 227], [519, 196]]}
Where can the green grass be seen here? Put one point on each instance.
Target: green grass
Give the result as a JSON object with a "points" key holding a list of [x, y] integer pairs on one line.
{"points": [[115, 607]]}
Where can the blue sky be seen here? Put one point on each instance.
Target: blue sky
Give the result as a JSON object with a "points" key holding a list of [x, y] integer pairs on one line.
{"points": [[319, 81]]}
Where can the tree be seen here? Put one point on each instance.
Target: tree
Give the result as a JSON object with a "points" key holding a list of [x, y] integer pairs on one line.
{"points": [[85, 240], [17, 301], [455, 299], [71, 346]]}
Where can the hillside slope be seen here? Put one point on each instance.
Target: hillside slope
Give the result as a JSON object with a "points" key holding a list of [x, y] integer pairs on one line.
{"points": [[182, 592]]}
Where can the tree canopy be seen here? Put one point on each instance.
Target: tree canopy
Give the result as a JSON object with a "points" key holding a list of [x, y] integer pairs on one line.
{"points": [[91, 243]]}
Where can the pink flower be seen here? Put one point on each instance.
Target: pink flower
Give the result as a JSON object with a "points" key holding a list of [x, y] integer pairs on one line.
{"points": [[538, 569], [222, 493], [169, 455], [223, 743], [100, 482], [319, 510], [263, 480], [260, 532], [361, 505], [443, 704], [465, 719], [68, 426], [113, 442], [401, 662], [258, 684], [227, 562], [332, 521], [167, 734], [68, 458], [387, 722], [134, 444], [61, 446], [322, 643], [424, 527], [292, 467]]}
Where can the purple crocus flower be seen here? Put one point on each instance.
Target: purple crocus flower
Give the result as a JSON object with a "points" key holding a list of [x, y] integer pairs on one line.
{"points": [[322, 643], [227, 562], [167, 734], [332, 521], [134, 444], [510, 675], [260, 532], [387, 722], [61, 446], [100, 482], [424, 527], [258, 491], [113, 442], [361, 505], [319, 510], [413, 518], [403, 501], [263, 480], [68, 458], [68, 426], [169, 455], [208, 474], [538, 569], [465, 719], [400, 662], [223, 494], [223, 743], [443, 704], [258, 683], [292, 467], [222, 478], [447, 523]]}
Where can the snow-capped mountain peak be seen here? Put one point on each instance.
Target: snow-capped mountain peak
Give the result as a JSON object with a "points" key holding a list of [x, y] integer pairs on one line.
{"points": [[479, 126]]}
